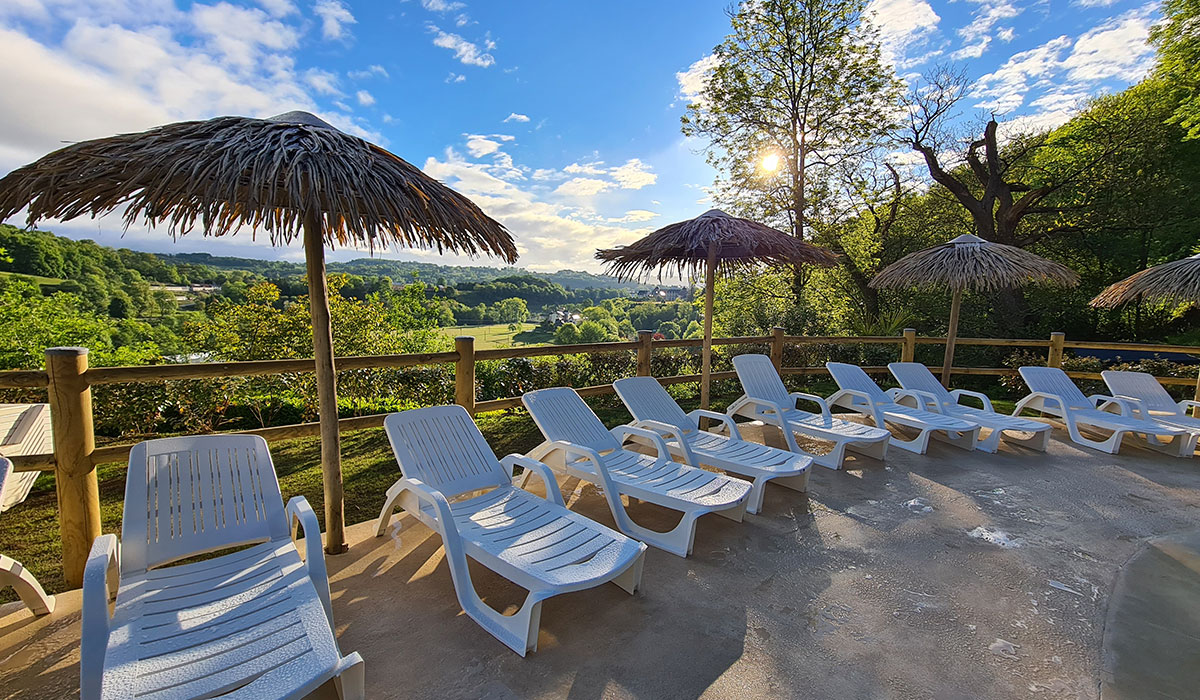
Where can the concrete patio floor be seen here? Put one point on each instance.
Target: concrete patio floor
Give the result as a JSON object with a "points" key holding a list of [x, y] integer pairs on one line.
{"points": [[950, 575]]}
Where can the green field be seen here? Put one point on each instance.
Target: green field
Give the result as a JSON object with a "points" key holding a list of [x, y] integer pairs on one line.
{"points": [[499, 336], [42, 281]]}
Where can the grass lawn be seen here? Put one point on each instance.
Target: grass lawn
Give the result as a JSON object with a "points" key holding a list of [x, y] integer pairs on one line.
{"points": [[499, 336], [42, 281]]}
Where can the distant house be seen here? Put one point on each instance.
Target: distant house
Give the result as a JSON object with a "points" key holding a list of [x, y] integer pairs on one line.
{"points": [[24, 430], [660, 294]]}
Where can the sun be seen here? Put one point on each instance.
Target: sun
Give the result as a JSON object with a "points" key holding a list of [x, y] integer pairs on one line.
{"points": [[770, 163]]}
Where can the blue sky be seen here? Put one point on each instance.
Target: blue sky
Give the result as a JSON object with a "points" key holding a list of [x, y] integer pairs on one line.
{"points": [[561, 119]]}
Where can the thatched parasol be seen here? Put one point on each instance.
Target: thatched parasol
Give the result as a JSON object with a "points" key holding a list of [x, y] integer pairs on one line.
{"points": [[969, 262], [715, 242], [1176, 281], [284, 175]]}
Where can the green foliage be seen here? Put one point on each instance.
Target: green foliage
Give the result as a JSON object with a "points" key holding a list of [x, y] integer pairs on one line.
{"points": [[1177, 38], [511, 310], [567, 334]]}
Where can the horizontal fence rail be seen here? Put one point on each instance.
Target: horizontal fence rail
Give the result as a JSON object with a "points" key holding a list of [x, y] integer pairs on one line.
{"points": [[76, 457]]}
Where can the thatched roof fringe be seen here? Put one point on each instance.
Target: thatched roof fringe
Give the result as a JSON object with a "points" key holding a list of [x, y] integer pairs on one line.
{"points": [[969, 262], [1176, 281], [228, 172]]}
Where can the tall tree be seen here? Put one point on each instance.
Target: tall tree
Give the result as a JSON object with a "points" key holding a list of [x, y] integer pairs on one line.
{"points": [[799, 85], [1177, 38]]}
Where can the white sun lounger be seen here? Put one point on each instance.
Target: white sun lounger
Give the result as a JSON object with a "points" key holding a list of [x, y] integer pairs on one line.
{"points": [[767, 400], [13, 574], [1152, 399], [534, 542], [653, 408], [1054, 393], [858, 392], [916, 377], [579, 443], [256, 623]]}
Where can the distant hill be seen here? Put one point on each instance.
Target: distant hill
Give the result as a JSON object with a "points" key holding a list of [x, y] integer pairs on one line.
{"points": [[401, 270]]}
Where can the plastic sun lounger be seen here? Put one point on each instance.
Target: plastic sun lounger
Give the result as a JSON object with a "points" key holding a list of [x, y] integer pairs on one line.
{"points": [[534, 542], [13, 574], [653, 408], [1152, 400], [858, 392], [1055, 394], [767, 400], [579, 443], [916, 377], [256, 623]]}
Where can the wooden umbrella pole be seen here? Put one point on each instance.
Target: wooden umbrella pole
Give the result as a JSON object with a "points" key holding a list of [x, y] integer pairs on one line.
{"points": [[710, 281], [951, 336], [331, 454]]}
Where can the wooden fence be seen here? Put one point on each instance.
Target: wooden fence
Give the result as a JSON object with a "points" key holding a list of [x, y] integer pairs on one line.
{"points": [[68, 381]]}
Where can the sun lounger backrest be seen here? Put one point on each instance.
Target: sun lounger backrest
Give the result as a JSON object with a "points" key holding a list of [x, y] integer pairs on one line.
{"points": [[760, 380], [5, 469], [914, 375], [442, 447], [646, 399], [186, 496], [1140, 386], [1052, 380], [562, 415], [853, 377]]}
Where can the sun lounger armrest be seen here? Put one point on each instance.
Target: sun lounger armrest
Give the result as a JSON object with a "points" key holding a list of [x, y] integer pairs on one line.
{"points": [[668, 432], [923, 398], [623, 432], [728, 422], [101, 579], [553, 494], [1185, 404], [300, 513], [957, 395], [1128, 406], [835, 399], [1032, 396], [825, 412]]}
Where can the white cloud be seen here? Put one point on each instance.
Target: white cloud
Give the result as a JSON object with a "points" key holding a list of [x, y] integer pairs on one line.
{"points": [[364, 98], [279, 8], [903, 25], [593, 168], [1115, 49], [544, 174], [466, 52], [634, 175], [1095, 3], [693, 80], [634, 216], [479, 146], [442, 5], [455, 77], [321, 81], [1005, 88], [368, 72], [977, 35], [241, 34], [514, 117], [583, 187], [334, 18]]}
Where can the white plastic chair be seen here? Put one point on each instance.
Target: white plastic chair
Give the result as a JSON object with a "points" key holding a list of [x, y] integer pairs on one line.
{"points": [[858, 392], [767, 400], [653, 408], [534, 542], [1055, 394], [580, 444], [917, 378], [256, 623], [1152, 400], [13, 574]]}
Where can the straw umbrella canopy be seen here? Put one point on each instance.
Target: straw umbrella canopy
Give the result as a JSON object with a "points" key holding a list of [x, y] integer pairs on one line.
{"points": [[1176, 281], [716, 243], [969, 262], [290, 176]]}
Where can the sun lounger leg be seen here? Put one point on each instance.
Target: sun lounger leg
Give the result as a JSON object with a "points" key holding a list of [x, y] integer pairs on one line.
{"points": [[795, 483], [736, 513], [1112, 445], [918, 445], [991, 443], [351, 683], [964, 440], [1037, 441], [875, 450], [630, 580], [12, 573], [389, 506]]}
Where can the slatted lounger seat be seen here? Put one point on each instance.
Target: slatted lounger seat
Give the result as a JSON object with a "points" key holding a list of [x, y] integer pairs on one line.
{"points": [[653, 408], [13, 574], [916, 378], [767, 400], [579, 443], [1055, 394], [256, 623], [534, 542], [858, 392], [1152, 400]]}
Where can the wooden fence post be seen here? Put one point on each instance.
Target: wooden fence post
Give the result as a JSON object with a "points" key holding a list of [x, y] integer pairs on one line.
{"points": [[1055, 357], [464, 373], [777, 347], [645, 350], [908, 351], [74, 474]]}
